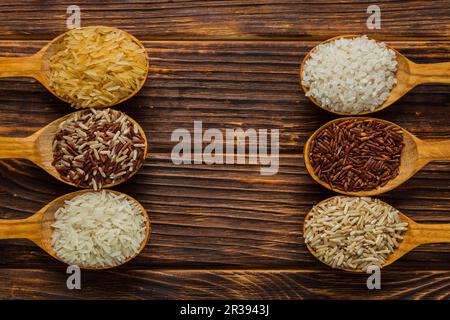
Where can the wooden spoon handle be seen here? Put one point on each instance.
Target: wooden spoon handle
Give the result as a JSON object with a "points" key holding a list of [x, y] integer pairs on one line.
{"points": [[431, 73], [23, 148], [434, 150], [29, 66], [29, 228], [431, 233]]}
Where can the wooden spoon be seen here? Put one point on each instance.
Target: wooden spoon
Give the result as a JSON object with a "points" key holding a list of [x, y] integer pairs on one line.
{"points": [[38, 227], [34, 66], [38, 148], [409, 75], [416, 235], [416, 154]]}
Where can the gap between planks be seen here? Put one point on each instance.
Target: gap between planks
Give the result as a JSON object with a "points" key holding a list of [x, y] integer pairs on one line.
{"points": [[244, 39], [234, 270]]}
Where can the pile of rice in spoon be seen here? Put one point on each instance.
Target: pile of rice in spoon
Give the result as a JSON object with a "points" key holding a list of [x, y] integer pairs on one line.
{"points": [[96, 67]]}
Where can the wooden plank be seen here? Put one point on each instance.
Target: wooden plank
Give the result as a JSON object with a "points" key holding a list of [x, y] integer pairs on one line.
{"points": [[225, 216], [235, 19], [221, 284]]}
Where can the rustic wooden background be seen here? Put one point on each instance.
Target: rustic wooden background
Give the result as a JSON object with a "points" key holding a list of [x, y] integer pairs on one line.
{"points": [[226, 231]]}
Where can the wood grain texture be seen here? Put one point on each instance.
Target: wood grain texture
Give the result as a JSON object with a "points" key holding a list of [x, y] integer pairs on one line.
{"points": [[231, 19], [226, 231], [223, 284]]}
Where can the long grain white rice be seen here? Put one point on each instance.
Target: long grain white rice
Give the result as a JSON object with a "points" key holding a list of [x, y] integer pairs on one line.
{"points": [[350, 75], [98, 229]]}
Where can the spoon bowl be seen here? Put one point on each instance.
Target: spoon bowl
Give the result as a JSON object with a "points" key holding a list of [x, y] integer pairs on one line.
{"points": [[408, 75], [38, 148], [37, 65], [417, 234], [38, 227], [416, 154]]}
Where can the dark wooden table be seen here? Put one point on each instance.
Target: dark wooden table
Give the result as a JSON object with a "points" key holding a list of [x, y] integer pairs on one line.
{"points": [[225, 231]]}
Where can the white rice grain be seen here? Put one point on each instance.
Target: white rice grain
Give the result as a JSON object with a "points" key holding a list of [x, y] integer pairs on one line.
{"points": [[350, 75], [98, 229]]}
